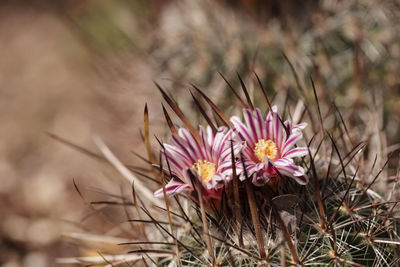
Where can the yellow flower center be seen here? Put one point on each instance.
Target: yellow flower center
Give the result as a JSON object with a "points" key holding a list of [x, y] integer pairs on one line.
{"points": [[265, 148], [204, 169]]}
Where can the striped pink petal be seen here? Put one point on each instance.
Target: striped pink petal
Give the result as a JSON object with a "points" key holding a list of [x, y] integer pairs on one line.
{"points": [[296, 152], [291, 141], [242, 131], [186, 151], [172, 188], [299, 127], [293, 171], [283, 135]]}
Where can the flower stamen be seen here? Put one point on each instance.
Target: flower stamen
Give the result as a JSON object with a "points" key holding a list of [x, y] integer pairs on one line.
{"points": [[205, 169], [265, 148]]}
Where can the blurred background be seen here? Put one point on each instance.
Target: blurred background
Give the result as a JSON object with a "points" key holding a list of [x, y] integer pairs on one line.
{"points": [[84, 68]]}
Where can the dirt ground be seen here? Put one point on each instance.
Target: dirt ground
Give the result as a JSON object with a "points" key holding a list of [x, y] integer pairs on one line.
{"points": [[51, 82]]}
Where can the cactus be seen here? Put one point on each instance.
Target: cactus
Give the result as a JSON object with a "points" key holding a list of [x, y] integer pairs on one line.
{"points": [[345, 215], [335, 219]]}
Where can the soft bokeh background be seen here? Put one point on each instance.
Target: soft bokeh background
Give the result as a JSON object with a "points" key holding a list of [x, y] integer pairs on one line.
{"points": [[80, 69]]}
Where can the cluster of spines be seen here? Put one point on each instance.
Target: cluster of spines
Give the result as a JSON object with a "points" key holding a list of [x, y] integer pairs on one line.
{"points": [[341, 222], [342, 225]]}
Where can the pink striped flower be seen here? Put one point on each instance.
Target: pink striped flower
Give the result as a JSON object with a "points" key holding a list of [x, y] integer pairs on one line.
{"points": [[270, 148], [209, 161]]}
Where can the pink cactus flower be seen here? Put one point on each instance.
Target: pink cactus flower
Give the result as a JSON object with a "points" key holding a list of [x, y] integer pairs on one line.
{"points": [[269, 149], [209, 161]]}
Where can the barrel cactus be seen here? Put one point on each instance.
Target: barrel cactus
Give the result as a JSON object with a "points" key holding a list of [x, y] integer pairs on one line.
{"points": [[262, 188]]}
